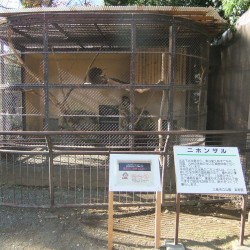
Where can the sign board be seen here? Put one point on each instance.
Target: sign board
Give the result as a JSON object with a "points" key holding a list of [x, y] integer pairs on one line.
{"points": [[134, 173], [215, 170]]}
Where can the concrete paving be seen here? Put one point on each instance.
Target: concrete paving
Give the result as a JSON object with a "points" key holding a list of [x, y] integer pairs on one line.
{"points": [[236, 245], [171, 246]]}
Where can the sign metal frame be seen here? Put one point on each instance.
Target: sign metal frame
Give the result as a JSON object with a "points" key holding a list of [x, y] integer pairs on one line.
{"points": [[208, 170], [208, 160], [134, 173]]}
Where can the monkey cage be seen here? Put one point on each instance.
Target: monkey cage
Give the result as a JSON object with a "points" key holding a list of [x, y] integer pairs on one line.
{"points": [[126, 68], [105, 69]]}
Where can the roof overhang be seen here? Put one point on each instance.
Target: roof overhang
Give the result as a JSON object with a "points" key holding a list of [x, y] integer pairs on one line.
{"points": [[87, 28], [208, 17]]}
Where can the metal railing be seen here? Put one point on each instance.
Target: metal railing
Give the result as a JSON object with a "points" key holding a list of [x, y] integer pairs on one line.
{"points": [[38, 169]]}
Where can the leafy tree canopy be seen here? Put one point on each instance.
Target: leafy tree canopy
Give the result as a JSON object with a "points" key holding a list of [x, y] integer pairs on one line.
{"points": [[160, 2], [53, 3], [233, 9], [193, 3], [35, 3]]}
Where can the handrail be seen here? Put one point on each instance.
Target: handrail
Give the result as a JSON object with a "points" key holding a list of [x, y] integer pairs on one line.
{"points": [[170, 132]]}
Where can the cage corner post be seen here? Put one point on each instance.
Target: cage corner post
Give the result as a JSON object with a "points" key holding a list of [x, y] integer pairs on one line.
{"points": [[46, 74], [132, 84], [51, 172]]}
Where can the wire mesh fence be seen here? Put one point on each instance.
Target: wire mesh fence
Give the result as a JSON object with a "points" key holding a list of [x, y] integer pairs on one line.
{"points": [[38, 171], [117, 78], [102, 72]]}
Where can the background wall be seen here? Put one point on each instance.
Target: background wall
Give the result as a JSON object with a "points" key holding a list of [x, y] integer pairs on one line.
{"points": [[72, 69], [229, 80]]}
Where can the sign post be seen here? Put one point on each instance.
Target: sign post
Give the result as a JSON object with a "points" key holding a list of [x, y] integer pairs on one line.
{"points": [[209, 170], [110, 221], [134, 173], [158, 220]]}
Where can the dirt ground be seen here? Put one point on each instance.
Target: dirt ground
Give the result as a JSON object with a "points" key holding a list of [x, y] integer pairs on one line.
{"points": [[201, 227]]}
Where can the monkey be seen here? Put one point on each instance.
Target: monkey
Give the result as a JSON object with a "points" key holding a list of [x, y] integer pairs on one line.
{"points": [[95, 76]]}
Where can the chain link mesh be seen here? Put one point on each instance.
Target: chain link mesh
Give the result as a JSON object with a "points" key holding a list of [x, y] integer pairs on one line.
{"points": [[103, 72], [100, 71]]}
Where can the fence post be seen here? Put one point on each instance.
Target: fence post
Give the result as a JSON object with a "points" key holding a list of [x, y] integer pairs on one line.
{"points": [[51, 172]]}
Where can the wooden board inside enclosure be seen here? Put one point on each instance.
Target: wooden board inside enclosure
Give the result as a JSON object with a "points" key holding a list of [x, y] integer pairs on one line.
{"points": [[71, 68]]}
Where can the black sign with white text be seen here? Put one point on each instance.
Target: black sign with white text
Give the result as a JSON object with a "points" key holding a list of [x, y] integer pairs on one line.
{"points": [[131, 166]]}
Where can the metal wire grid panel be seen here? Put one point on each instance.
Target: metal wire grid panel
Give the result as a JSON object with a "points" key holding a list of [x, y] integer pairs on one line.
{"points": [[24, 180], [96, 71], [71, 180], [44, 175], [103, 72]]}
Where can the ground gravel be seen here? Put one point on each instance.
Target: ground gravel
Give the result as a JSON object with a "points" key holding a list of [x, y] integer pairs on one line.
{"points": [[201, 227]]}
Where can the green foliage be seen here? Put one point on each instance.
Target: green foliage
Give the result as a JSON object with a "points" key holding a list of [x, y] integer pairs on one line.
{"points": [[233, 9], [194, 3], [35, 3], [53, 3]]}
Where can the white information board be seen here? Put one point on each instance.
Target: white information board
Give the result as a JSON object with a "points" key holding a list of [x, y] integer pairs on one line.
{"points": [[134, 173], [215, 170]]}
